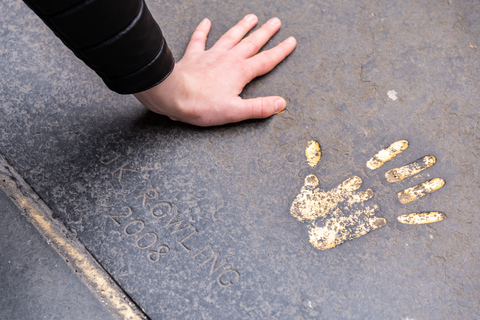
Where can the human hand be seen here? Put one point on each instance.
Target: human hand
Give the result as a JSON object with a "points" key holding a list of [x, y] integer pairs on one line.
{"points": [[204, 86]]}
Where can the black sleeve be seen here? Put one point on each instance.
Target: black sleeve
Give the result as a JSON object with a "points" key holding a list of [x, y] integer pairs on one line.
{"points": [[118, 39]]}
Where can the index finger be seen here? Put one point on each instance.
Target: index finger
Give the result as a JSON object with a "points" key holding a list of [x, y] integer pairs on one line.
{"points": [[199, 36]]}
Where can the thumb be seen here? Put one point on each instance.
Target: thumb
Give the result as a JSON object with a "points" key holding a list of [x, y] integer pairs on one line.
{"points": [[262, 107]]}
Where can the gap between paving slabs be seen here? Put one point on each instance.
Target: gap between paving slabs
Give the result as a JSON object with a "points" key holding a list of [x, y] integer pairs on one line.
{"points": [[67, 246]]}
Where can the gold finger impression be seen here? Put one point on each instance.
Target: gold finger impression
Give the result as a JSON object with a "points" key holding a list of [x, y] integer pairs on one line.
{"points": [[418, 191], [313, 153], [387, 154], [421, 218], [398, 174]]}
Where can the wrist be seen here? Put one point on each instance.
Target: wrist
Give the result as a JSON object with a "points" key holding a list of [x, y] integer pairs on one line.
{"points": [[164, 98]]}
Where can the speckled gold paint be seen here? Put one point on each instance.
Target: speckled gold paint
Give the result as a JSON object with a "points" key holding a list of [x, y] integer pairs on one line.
{"points": [[313, 153], [421, 218], [340, 228], [387, 154], [398, 174], [418, 191], [334, 216], [312, 203], [341, 224]]}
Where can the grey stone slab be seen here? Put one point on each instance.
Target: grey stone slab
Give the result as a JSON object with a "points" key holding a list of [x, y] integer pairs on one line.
{"points": [[92, 155], [36, 283]]}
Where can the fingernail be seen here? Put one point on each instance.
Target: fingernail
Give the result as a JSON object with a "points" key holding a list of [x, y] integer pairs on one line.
{"points": [[274, 21], [250, 17], [204, 22], [290, 40], [280, 105]]}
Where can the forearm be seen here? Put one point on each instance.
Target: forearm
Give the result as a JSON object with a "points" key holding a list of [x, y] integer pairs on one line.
{"points": [[122, 43]]}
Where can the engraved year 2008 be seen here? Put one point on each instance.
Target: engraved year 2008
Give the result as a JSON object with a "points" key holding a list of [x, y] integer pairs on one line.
{"points": [[143, 240]]}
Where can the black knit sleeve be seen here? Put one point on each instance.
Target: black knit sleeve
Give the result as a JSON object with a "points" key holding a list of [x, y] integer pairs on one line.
{"points": [[119, 40]]}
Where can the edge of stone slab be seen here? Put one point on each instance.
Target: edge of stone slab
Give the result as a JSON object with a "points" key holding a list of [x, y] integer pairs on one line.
{"points": [[72, 251]]}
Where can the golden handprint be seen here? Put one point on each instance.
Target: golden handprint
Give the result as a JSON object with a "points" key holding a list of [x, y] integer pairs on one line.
{"points": [[339, 215], [409, 170]]}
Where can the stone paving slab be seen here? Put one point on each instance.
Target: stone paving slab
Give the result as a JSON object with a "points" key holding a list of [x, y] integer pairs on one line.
{"points": [[195, 223], [36, 283]]}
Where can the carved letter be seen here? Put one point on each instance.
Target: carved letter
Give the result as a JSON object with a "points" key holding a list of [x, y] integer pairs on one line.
{"points": [[150, 193], [113, 216], [104, 159], [161, 204], [177, 224], [185, 238], [204, 248], [229, 283], [214, 257], [122, 169]]}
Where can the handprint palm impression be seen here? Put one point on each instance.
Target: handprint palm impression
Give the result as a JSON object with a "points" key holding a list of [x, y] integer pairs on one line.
{"points": [[339, 215]]}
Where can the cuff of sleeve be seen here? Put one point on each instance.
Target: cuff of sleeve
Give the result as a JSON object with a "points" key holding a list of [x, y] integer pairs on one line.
{"points": [[147, 77]]}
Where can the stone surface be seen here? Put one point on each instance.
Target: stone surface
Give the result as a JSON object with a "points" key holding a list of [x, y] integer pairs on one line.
{"points": [[36, 283], [92, 155]]}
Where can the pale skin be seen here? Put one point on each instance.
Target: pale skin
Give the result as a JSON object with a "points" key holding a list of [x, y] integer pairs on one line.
{"points": [[205, 85]]}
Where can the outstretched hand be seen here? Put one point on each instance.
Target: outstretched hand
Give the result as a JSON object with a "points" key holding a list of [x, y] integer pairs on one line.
{"points": [[204, 86]]}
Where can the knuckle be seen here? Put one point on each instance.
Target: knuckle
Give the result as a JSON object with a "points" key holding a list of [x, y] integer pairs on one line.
{"points": [[252, 44], [269, 55], [263, 64], [269, 27], [272, 57], [229, 38], [265, 108], [197, 38], [262, 108]]}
